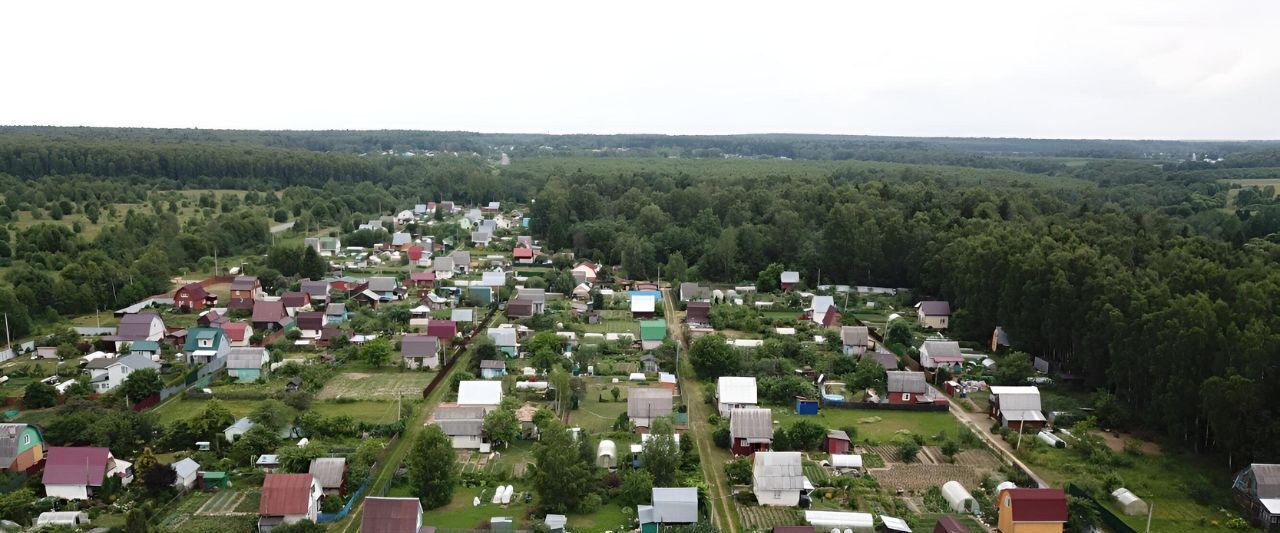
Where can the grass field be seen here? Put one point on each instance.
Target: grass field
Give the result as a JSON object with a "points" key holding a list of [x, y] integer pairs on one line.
{"points": [[594, 416], [889, 426], [376, 386], [1165, 480], [1260, 183], [461, 514], [368, 411]]}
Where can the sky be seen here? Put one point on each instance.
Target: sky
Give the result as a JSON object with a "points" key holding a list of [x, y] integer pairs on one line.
{"points": [[1131, 69]]}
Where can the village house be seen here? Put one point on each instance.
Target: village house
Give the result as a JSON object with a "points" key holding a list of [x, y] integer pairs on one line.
{"points": [[420, 351], [288, 499], [788, 280], [244, 291], [205, 345], [492, 368], [698, 314], [837, 442], [906, 387], [823, 312], [391, 515], [778, 478], [75, 473], [1017, 407], [1257, 489], [941, 353], [444, 330], [464, 424], [505, 340], [643, 306], [855, 339], [693, 292], [185, 473], [238, 333], [150, 349], [193, 297], [387, 288], [462, 315], [330, 473], [481, 238], [645, 404], [933, 314], [675, 505], [522, 255], [270, 315], [588, 271], [245, 363], [519, 309], [422, 282], [21, 447], [735, 392], [538, 297], [325, 246], [750, 430], [1031, 510], [311, 323], [295, 302], [138, 327], [317, 290], [106, 374], [212, 318], [461, 261]]}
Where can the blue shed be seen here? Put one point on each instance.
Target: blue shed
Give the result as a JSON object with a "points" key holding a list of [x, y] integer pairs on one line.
{"points": [[806, 406]]}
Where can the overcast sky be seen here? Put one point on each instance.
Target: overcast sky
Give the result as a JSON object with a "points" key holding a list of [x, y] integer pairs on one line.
{"points": [[1113, 69]]}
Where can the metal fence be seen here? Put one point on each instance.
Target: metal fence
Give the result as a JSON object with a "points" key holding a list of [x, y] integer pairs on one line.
{"points": [[885, 406], [346, 509]]}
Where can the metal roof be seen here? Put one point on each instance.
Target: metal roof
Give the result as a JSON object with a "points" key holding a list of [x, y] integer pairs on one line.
{"points": [[731, 389], [754, 424], [328, 471], [778, 471]]}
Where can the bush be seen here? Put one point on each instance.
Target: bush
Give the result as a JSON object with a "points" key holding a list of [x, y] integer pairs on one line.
{"points": [[907, 451], [721, 437]]}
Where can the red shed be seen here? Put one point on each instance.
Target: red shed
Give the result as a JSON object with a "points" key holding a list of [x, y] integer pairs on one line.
{"points": [[837, 442]]}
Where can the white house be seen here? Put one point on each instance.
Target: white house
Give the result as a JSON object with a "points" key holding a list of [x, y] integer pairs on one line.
{"points": [[107, 374], [240, 427], [944, 353], [670, 506], [480, 393], [186, 471], [734, 392], [778, 478]]}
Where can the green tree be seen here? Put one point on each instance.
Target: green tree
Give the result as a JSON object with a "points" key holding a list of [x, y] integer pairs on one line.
{"points": [[950, 448], [39, 395], [18, 505], [271, 414], [661, 455], [676, 270], [739, 471], [712, 357], [136, 522], [501, 426], [376, 352], [907, 451], [1014, 369], [637, 488], [312, 266], [770, 278], [560, 470], [297, 459], [433, 467], [869, 375], [141, 384], [899, 333], [806, 435]]}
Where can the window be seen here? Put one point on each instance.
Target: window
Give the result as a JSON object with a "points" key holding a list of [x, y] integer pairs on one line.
{"points": [[26, 440], [1007, 501], [906, 396]]}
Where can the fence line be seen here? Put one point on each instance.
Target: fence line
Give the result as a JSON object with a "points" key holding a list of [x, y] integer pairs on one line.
{"points": [[1112, 521]]}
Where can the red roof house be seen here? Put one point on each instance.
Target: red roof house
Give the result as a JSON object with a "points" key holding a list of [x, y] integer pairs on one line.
{"points": [[391, 515], [237, 332], [414, 253], [522, 254], [288, 498], [72, 473], [442, 329], [269, 315], [193, 297], [1032, 509]]}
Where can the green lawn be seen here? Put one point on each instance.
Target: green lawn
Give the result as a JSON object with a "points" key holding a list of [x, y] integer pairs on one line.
{"points": [[461, 514], [597, 417], [929, 424], [365, 411], [1165, 480]]}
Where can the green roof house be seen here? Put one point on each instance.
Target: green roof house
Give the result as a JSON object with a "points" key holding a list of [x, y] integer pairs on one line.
{"points": [[204, 345], [652, 332]]}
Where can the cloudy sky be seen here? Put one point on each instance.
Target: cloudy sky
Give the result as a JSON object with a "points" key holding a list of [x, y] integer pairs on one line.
{"points": [[1131, 69]]}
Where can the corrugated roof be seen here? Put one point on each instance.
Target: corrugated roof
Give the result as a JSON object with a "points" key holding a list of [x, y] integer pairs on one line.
{"points": [[419, 346], [285, 495], [935, 308], [907, 381], [328, 471], [75, 466], [1267, 476], [185, 467], [480, 393], [1017, 398], [648, 402], [1038, 505], [854, 335], [675, 505], [9, 436], [778, 471], [390, 515], [246, 357], [736, 390], [751, 423]]}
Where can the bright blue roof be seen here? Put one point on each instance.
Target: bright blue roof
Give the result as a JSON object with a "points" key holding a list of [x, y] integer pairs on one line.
{"points": [[657, 295]]}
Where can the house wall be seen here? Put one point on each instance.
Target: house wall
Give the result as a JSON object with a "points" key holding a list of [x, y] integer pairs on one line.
{"points": [[245, 375], [422, 362], [466, 443], [725, 408], [67, 492], [186, 482], [902, 397], [741, 447], [790, 498], [837, 446], [1007, 525], [935, 322]]}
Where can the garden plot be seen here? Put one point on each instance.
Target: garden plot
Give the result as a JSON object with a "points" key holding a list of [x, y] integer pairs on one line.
{"points": [[919, 477], [375, 386], [758, 518]]}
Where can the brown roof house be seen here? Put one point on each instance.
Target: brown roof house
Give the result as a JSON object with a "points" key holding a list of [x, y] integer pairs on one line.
{"points": [[288, 499], [391, 515], [244, 291], [311, 324], [270, 315], [420, 351]]}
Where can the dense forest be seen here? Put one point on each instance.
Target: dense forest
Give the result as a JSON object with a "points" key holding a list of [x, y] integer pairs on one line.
{"points": [[1150, 280]]}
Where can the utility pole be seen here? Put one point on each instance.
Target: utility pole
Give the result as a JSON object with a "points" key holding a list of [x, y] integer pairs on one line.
{"points": [[1020, 424], [1151, 510], [8, 342]]}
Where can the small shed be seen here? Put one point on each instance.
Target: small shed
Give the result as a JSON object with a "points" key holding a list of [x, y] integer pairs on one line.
{"points": [[607, 454], [185, 472], [1129, 502], [958, 497], [213, 480], [806, 406], [949, 524], [893, 524], [837, 442]]}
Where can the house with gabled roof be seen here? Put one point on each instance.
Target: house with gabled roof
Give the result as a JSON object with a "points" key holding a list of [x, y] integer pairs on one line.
{"points": [[734, 392], [907, 387], [464, 424], [933, 314], [107, 374], [823, 311], [245, 363], [854, 339], [330, 473], [505, 340], [387, 288], [935, 353], [522, 255], [185, 473], [193, 297], [1257, 489], [1016, 407], [694, 292], [205, 345], [295, 302], [1031, 510], [317, 290], [519, 308], [270, 315], [76, 473], [21, 447], [238, 333], [288, 499], [788, 280], [588, 270], [778, 478], [492, 368], [391, 515], [445, 330], [750, 430], [481, 238], [643, 306], [138, 327], [311, 323], [421, 351], [698, 314], [244, 291], [461, 261], [647, 403]]}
